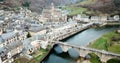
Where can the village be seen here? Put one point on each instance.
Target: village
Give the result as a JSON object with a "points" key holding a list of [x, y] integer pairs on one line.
{"points": [[24, 32]]}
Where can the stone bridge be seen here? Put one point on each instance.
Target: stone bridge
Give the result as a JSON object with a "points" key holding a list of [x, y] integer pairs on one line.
{"points": [[83, 51]]}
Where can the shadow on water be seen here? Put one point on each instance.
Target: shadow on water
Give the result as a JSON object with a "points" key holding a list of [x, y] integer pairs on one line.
{"points": [[71, 53], [59, 57]]}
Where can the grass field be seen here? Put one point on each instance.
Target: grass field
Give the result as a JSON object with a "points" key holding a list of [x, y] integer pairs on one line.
{"points": [[74, 10], [79, 8], [107, 43]]}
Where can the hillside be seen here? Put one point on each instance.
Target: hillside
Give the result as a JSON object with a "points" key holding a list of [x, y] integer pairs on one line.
{"points": [[96, 7], [93, 6], [36, 5], [102, 6]]}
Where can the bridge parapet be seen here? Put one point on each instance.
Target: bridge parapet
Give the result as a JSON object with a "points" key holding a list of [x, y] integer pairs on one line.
{"points": [[83, 51]]}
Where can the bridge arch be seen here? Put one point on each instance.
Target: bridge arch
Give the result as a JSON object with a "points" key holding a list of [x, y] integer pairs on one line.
{"points": [[57, 49], [103, 57], [65, 48], [73, 53], [113, 60], [83, 51], [93, 55]]}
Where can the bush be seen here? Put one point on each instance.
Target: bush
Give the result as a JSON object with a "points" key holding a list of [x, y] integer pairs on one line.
{"points": [[26, 4], [115, 38], [28, 35], [117, 3], [1, 0], [94, 58]]}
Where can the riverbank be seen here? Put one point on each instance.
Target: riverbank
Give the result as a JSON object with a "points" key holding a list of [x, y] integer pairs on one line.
{"points": [[80, 39], [109, 42], [64, 39]]}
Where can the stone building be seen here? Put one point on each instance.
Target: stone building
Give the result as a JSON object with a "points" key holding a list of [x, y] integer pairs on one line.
{"points": [[11, 44], [81, 18], [8, 38], [54, 14], [8, 53]]}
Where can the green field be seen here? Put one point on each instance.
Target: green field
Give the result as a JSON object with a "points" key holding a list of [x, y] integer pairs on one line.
{"points": [[81, 7], [74, 10], [109, 42], [85, 2]]}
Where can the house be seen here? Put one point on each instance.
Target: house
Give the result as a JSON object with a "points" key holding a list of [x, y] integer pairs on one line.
{"points": [[10, 37], [8, 52], [34, 44], [81, 18]]}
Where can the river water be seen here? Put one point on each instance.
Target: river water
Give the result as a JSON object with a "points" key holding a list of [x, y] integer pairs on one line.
{"points": [[80, 39]]}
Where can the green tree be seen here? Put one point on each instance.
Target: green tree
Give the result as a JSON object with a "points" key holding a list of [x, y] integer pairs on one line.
{"points": [[26, 4], [1, 0], [117, 3], [28, 35], [94, 58]]}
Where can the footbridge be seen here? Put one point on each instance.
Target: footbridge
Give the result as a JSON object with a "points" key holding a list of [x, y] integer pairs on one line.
{"points": [[83, 51]]}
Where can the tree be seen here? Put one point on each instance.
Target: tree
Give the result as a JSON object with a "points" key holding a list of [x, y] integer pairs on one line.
{"points": [[26, 4], [28, 35], [117, 3], [1, 0]]}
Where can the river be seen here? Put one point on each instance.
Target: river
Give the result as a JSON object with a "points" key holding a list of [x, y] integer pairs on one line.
{"points": [[79, 39]]}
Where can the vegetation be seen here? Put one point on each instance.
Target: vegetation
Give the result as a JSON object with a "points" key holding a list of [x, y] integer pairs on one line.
{"points": [[103, 6], [113, 61], [26, 4], [100, 44], [21, 60], [117, 3], [94, 58], [1, 0], [109, 42], [28, 35], [37, 56], [85, 2], [74, 10]]}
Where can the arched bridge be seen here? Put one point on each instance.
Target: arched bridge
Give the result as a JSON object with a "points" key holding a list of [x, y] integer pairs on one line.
{"points": [[83, 51]]}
